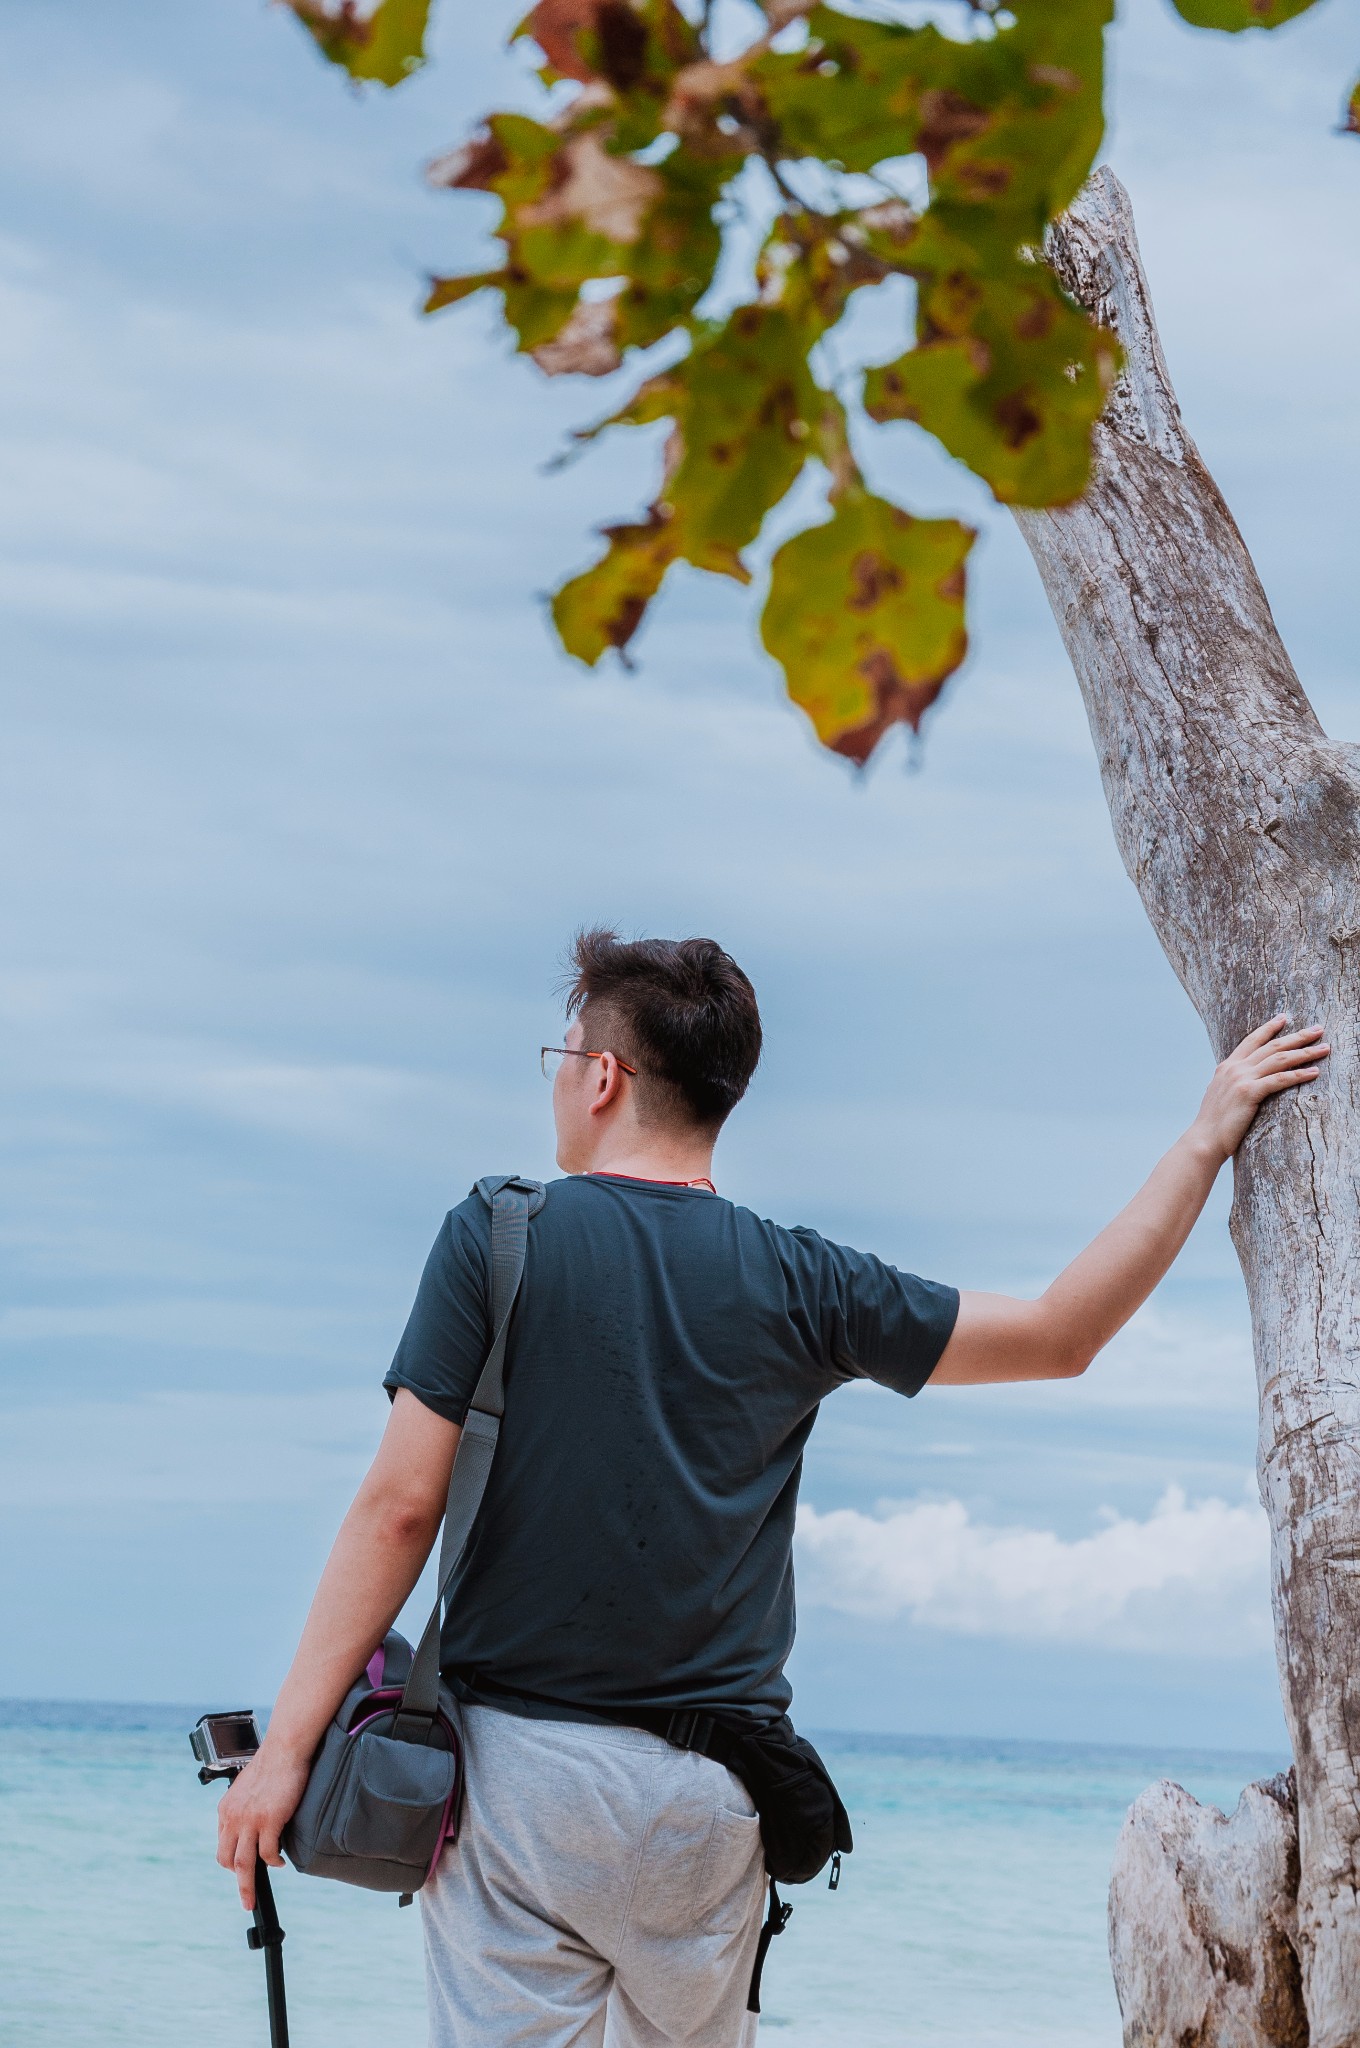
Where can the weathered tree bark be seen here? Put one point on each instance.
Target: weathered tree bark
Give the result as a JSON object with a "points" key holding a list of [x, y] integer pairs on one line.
{"points": [[1239, 823], [1204, 1921]]}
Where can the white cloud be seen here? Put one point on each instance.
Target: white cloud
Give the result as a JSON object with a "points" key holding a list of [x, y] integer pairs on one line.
{"points": [[1193, 1576]]}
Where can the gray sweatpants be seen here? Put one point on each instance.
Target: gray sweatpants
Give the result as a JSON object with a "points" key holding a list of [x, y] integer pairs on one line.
{"points": [[605, 1891]]}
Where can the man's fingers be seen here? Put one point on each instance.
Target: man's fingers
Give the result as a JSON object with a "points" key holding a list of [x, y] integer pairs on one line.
{"points": [[1291, 1039], [268, 1846], [1264, 1033], [245, 1867], [1275, 1084], [1296, 1056], [1280, 1051], [1270, 1039]]}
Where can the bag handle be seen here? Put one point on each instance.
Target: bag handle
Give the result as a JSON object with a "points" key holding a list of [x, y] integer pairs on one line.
{"points": [[512, 1201]]}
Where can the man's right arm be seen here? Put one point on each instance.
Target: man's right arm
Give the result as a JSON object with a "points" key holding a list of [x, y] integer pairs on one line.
{"points": [[375, 1561], [998, 1338]]}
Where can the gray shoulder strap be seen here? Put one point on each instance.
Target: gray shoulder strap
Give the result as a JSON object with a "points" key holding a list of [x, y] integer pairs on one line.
{"points": [[512, 1201]]}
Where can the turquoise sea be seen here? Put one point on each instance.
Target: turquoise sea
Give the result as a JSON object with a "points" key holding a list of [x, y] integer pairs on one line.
{"points": [[972, 1911]]}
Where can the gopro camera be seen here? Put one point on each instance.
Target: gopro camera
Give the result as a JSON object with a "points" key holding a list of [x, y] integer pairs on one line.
{"points": [[225, 1743]]}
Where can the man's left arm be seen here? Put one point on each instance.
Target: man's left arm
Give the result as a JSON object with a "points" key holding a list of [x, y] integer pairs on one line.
{"points": [[374, 1563], [998, 1338]]}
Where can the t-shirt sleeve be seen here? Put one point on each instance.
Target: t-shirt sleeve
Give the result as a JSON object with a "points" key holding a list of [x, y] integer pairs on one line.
{"points": [[444, 1345], [880, 1323]]}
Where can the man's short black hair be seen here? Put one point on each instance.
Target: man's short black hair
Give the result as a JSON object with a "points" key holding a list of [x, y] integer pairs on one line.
{"points": [[680, 1010]]}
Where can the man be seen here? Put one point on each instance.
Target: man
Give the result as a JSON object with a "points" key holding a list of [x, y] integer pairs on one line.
{"points": [[634, 1545]]}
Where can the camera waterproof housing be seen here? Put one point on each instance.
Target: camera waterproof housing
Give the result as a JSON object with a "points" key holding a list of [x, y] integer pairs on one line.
{"points": [[224, 1743]]}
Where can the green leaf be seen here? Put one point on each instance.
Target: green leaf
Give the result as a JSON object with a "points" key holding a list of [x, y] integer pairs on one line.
{"points": [[572, 211], [382, 47], [671, 265], [812, 262], [603, 607], [850, 96], [1041, 85], [745, 409], [866, 617], [1351, 124], [1011, 119], [536, 312], [747, 405], [1235, 15], [747, 415], [1008, 374]]}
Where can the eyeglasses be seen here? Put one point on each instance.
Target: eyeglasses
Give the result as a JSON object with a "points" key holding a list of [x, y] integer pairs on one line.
{"points": [[551, 1057]]}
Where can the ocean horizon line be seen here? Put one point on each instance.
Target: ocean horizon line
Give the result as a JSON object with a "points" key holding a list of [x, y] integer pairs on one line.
{"points": [[157, 1717]]}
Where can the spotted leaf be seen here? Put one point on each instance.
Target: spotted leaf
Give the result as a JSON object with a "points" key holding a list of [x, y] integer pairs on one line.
{"points": [[1011, 119], [866, 617], [1007, 372], [603, 607], [573, 211]]}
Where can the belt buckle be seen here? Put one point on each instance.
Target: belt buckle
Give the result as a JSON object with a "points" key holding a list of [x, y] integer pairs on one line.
{"points": [[690, 1728]]}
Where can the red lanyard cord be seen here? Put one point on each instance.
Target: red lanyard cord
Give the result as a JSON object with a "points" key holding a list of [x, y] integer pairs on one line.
{"points": [[646, 1180]]}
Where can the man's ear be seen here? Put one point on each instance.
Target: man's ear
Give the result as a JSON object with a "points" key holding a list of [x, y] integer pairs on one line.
{"points": [[609, 1079]]}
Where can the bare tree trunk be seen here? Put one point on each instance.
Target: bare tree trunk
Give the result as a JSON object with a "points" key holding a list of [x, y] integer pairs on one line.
{"points": [[1239, 823]]}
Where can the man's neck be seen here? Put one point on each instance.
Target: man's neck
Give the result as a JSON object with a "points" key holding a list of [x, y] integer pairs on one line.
{"points": [[659, 1159]]}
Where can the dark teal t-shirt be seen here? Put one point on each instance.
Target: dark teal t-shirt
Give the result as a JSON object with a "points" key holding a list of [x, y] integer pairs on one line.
{"points": [[664, 1367]]}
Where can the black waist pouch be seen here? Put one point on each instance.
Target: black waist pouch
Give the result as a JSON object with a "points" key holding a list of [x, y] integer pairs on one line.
{"points": [[803, 1821]]}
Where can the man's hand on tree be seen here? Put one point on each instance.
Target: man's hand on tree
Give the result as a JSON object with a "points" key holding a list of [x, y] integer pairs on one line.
{"points": [[998, 1338], [1269, 1060]]}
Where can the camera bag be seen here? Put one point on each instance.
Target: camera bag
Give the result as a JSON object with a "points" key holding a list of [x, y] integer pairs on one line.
{"points": [[386, 1784]]}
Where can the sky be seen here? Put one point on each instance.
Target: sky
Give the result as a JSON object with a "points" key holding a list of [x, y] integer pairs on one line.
{"points": [[300, 807]]}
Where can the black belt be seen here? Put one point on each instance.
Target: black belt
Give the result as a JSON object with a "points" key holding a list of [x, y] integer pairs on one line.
{"points": [[694, 1728]]}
